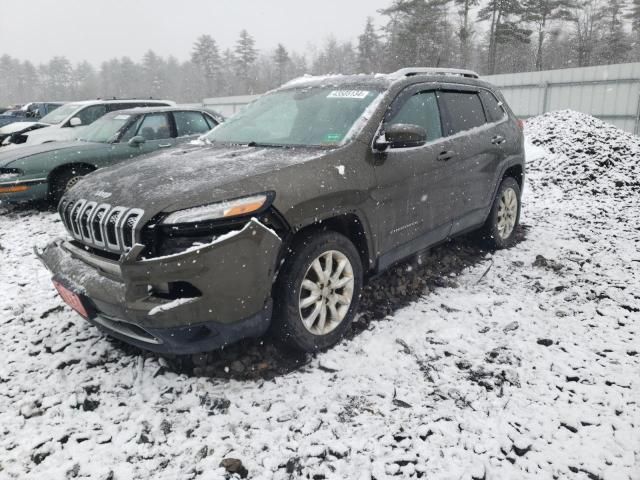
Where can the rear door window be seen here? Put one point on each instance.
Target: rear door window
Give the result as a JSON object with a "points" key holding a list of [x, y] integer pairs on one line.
{"points": [[493, 108], [464, 111], [190, 123], [155, 126], [421, 109]]}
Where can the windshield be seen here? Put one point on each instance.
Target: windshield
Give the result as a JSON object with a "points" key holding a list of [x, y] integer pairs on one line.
{"points": [[60, 113], [106, 129], [312, 116]]}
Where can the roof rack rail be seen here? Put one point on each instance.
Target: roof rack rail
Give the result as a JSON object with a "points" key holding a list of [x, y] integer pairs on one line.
{"points": [[410, 72]]}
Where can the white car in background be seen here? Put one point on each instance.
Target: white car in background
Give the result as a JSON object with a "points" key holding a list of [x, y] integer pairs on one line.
{"points": [[67, 122]]}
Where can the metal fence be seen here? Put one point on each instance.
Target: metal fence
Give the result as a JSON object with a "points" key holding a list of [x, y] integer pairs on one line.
{"points": [[227, 106], [608, 92]]}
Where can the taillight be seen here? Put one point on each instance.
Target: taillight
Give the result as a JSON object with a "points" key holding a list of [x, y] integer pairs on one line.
{"points": [[520, 124]]}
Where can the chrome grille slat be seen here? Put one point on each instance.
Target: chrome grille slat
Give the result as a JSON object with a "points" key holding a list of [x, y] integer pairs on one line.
{"points": [[85, 230], [102, 226], [75, 219]]}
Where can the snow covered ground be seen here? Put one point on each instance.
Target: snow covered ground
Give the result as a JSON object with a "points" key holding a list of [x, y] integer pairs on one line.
{"points": [[518, 364]]}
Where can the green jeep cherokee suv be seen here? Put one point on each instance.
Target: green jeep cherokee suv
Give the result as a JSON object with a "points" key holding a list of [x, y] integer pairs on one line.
{"points": [[280, 215]]}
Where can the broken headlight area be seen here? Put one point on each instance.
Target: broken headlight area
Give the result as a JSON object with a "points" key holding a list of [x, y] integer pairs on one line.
{"points": [[164, 240]]}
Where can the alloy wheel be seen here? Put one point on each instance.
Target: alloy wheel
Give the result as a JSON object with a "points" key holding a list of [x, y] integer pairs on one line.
{"points": [[326, 292], [507, 213]]}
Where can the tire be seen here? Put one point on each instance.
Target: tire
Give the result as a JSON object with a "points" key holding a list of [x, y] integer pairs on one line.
{"points": [[499, 231], [294, 323], [64, 180]]}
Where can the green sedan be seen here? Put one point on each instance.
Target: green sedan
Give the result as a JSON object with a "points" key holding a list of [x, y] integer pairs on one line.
{"points": [[45, 172]]}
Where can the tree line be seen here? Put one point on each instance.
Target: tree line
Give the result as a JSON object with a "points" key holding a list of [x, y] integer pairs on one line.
{"points": [[489, 36]]}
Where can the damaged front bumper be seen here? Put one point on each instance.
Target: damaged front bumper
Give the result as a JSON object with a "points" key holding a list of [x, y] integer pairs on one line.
{"points": [[233, 278]]}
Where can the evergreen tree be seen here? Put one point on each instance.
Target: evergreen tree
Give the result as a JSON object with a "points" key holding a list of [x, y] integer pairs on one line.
{"points": [[541, 13], [152, 66], [369, 49], [245, 55], [634, 16], [587, 16], [505, 26], [419, 33], [85, 82], [282, 62], [465, 31], [58, 76], [615, 43], [207, 56]]}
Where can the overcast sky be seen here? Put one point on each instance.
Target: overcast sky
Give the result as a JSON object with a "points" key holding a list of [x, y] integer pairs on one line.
{"points": [[98, 30]]}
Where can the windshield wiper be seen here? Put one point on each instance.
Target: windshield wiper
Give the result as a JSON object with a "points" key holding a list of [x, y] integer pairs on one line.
{"points": [[265, 145]]}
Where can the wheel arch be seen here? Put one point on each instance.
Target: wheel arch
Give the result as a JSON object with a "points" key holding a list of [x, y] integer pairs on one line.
{"points": [[516, 172], [63, 167], [349, 224], [67, 166]]}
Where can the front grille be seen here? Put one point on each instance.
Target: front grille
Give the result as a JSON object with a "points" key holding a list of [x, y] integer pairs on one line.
{"points": [[101, 226]]}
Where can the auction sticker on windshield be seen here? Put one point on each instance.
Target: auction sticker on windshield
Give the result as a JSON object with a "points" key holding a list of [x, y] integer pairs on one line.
{"points": [[356, 94]]}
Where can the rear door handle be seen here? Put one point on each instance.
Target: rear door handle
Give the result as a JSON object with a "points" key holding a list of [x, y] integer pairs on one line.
{"points": [[498, 140], [446, 156]]}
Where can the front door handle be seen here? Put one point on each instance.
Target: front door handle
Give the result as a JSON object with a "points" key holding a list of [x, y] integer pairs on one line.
{"points": [[498, 140], [446, 156], [164, 145]]}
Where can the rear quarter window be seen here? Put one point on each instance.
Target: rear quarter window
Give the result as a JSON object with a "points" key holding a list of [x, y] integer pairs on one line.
{"points": [[492, 106], [464, 111]]}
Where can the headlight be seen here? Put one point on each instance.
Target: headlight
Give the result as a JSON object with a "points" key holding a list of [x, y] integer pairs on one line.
{"points": [[221, 210], [9, 174]]}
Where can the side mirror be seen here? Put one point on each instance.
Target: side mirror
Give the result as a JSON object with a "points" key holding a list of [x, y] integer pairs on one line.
{"points": [[75, 122], [136, 141], [401, 135]]}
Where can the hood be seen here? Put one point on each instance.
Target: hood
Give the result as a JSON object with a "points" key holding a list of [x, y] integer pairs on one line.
{"points": [[42, 135], [189, 176], [19, 156], [17, 127]]}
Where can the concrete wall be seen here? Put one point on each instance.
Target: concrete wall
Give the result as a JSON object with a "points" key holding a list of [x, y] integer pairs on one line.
{"points": [[609, 92]]}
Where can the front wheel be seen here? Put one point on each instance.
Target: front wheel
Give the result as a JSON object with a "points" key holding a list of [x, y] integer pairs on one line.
{"points": [[318, 292], [500, 229]]}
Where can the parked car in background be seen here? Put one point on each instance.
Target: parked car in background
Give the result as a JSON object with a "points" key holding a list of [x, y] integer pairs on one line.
{"points": [[291, 204], [66, 123], [30, 111], [46, 171]]}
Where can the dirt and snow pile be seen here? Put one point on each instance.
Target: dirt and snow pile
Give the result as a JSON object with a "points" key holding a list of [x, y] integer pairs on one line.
{"points": [[518, 364], [592, 153]]}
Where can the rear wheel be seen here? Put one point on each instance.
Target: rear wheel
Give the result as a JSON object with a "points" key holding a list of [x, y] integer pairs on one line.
{"points": [[318, 292], [64, 180], [500, 229]]}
